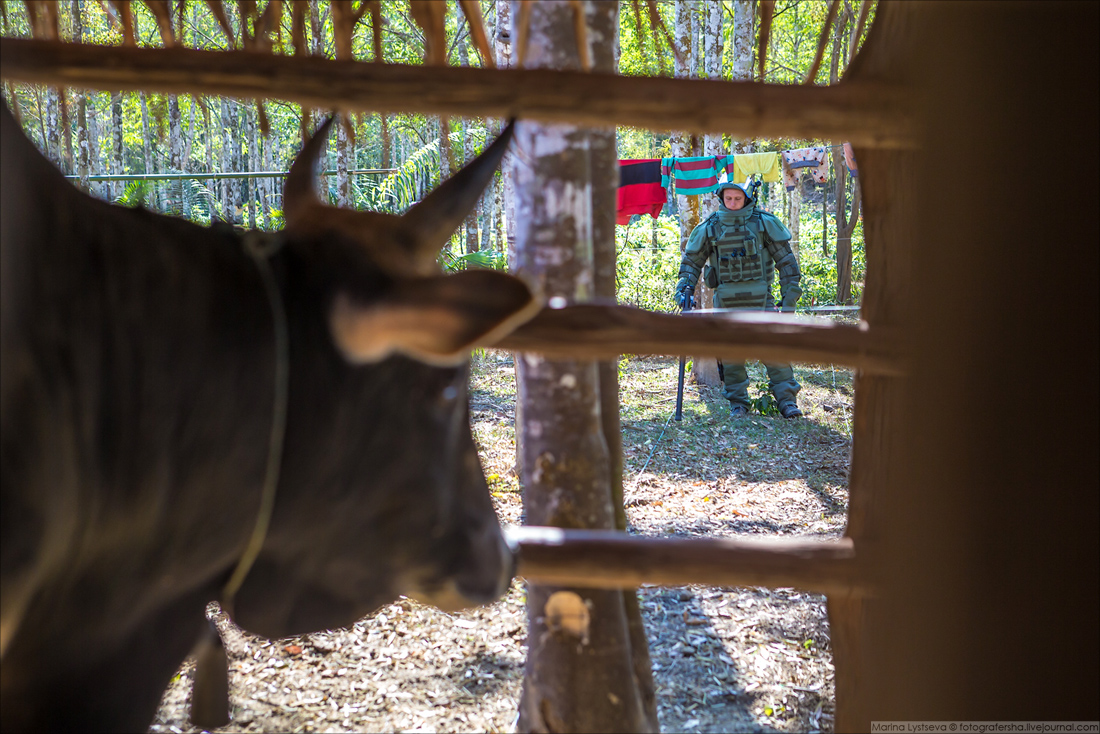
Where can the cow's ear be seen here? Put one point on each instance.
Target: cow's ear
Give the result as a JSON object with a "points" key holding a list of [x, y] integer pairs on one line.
{"points": [[435, 320]]}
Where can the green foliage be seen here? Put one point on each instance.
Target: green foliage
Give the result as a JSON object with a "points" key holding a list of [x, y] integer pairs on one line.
{"points": [[397, 192], [765, 403], [134, 195], [488, 259], [819, 269], [648, 261]]}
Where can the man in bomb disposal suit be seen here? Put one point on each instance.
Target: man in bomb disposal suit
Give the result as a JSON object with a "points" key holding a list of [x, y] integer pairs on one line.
{"points": [[735, 249]]}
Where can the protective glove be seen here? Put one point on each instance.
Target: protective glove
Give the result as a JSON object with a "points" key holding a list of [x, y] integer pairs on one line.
{"points": [[684, 297]]}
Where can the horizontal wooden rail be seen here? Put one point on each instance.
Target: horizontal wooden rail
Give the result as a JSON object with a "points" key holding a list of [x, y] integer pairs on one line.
{"points": [[592, 331], [614, 560], [863, 113]]}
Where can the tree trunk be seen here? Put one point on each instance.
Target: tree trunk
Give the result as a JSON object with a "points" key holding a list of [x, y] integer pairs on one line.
{"points": [[845, 225], [485, 217], [712, 45], [700, 17], [579, 677], [116, 143], [343, 184], [102, 189], [175, 158], [467, 147], [208, 137], [603, 25], [705, 369], [251, 124], [64, 107], [147, 151], [82, 150], [471, 221], [56, 150], [175, 120], [269, 195], [742, 54], [502, 47], [795, 217], [225, 134], [687, 207], [386, 142], [185, 157], [385, 120]]}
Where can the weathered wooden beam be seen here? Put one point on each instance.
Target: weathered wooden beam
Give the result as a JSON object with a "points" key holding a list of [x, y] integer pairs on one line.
{"points": [[867, 114], [602, 332], [612, 559]]}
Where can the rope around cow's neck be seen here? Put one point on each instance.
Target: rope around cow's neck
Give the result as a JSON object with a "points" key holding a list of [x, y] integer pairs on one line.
{"points": [[261, 247]]}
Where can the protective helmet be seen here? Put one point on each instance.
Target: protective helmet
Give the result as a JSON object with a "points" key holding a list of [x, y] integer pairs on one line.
{"points": [[745, 188]]}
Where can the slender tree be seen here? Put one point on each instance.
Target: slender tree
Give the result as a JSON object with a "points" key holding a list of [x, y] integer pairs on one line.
{"points": [[502, 48], [251, 125], [794, 213], [603, 28], [704, 370], [742, 54], [116, 141], [845, 222], [147, 144], [82, 149], [712, 143], [226, 137], [579, 674]]}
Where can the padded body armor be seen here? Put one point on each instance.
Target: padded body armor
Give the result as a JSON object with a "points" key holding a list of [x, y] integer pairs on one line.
{"points": [[736, 253]]}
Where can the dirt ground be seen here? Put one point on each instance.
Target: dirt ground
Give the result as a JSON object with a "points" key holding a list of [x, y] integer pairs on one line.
{"points": [[724, 659]]}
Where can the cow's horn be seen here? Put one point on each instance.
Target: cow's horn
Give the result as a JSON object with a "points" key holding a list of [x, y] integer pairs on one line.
{"points": [[431, 223], [299, 196]]}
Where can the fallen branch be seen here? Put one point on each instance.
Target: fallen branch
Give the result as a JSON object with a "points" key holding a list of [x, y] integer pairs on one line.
{"points": [[589, 331], [866, 114], [615, 560]]}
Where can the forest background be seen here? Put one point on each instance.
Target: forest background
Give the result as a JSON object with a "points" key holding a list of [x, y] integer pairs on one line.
{"points": [[185, 155]]}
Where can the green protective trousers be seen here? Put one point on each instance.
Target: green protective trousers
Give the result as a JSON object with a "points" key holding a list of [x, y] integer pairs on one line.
{"points": [[752, 295]]}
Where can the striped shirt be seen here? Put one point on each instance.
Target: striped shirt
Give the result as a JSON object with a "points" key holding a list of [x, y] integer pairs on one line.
{"points": [[694, 175]]}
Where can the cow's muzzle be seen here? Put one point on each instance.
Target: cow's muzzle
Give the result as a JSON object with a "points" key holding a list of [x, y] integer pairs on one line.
{"points": [[483, 574]]}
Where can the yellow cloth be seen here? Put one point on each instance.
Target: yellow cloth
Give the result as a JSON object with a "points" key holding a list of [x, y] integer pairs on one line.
{"points": [[765, 165]]}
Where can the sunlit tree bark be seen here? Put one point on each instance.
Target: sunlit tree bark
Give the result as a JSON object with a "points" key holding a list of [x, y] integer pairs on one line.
{"points": [[741, 60], [845, 222], [503, 50], [81, 111], [579, 674], [116, 141]]}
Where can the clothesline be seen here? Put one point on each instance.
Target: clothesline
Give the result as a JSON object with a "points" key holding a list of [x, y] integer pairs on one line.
{"points": [[694, 175], [644, 183]]}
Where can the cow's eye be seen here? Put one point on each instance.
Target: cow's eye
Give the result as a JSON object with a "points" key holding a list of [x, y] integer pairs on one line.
{"points": [[449, 394]]}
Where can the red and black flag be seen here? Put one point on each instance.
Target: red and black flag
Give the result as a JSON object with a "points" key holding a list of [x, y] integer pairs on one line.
{"points": [[640, 190]]}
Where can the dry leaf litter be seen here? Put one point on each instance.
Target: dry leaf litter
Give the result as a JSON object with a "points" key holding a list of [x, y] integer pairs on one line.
{"points": [[724, 659]]}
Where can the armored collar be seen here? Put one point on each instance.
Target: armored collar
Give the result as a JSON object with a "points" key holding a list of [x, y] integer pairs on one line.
{"points": [[737, 218]]}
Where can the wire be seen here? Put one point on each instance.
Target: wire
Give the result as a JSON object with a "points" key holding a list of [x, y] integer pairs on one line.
{"points": [[653, 450]]}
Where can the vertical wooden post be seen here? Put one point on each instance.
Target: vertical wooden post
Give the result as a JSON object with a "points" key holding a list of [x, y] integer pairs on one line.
{"points": [[889, 214]]}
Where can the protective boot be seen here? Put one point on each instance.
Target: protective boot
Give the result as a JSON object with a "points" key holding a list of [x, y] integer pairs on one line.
{"points": [[790, 410]]}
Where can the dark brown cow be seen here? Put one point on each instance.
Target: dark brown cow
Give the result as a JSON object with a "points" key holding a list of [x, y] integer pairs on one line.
{"points": [[138, 362]]}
